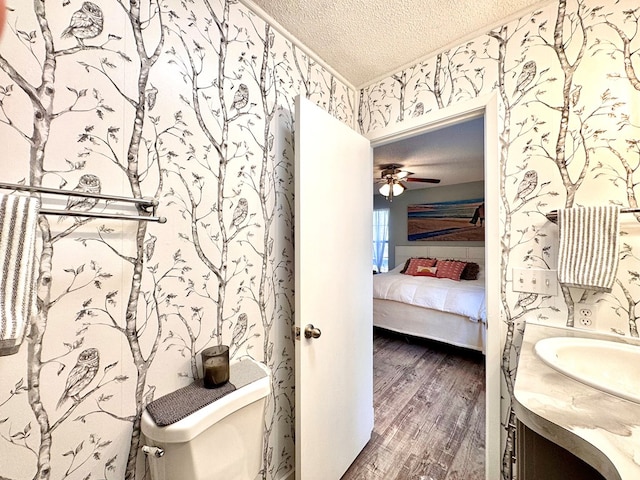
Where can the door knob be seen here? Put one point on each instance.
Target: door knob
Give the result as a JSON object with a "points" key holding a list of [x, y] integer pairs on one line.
{"points": [[311, 332]]}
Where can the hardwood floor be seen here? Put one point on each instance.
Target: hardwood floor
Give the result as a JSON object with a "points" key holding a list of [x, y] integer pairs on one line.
{"points": [[429, 402]]}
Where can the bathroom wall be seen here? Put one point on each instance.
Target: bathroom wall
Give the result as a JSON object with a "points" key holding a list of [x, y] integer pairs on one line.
{"points": [[398, 211], [569, 122], [190, 102]]}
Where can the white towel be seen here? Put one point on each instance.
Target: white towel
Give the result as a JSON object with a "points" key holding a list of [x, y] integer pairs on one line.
{"points": [[588, 253], [18, 223]]}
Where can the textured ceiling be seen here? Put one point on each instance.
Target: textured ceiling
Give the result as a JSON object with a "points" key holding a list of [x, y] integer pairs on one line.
{"points": [[454, 154], [364, 40]]}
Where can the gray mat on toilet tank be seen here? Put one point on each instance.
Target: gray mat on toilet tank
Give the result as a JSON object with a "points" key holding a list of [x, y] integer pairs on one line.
{"points": [[181, 403]]}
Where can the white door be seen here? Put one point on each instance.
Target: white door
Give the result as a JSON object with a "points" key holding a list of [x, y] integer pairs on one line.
{"points": [[333, 245]]}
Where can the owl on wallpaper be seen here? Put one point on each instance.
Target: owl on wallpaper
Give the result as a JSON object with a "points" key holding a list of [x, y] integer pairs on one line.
{"points": [[150, 246], [241, 98], [526, 76], [575, 95], [240, 212], [419, 110], [527, 185], [85, 23], [151, 94], [81, 375], [88, 183], [240, 329]]}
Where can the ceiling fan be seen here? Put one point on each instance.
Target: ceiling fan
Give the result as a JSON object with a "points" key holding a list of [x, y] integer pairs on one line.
{"points": [[392, 178]]}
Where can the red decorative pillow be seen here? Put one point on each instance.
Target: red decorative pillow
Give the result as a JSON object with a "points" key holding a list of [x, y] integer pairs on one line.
{"points": [[406, 264], [426, 271], [413, 264], [450, 269]]}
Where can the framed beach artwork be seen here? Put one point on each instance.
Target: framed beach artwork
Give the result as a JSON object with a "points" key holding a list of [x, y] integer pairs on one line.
{"points": [[457, 220]]}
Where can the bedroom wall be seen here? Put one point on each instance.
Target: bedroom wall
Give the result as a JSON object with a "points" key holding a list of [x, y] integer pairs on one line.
{"points": [[189, 102], [398, 211], [569, 89]]}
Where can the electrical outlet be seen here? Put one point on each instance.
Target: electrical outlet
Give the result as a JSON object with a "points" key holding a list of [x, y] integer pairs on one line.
{"points": [[585, 322], [585, 312], [586, 315]]}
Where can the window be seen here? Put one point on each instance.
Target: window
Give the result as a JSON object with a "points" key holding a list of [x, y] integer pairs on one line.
{"points": [[381, 240]]}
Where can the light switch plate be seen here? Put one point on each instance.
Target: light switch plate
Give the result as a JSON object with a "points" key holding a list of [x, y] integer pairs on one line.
{"points": [[535, 280]]}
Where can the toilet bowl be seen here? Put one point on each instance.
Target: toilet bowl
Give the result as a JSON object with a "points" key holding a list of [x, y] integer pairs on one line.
{"points": [[221, 441]]}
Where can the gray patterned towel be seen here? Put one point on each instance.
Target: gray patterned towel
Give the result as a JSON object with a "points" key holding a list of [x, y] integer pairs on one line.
{"points": [[181, 403], [18, 224], [588, 253]]}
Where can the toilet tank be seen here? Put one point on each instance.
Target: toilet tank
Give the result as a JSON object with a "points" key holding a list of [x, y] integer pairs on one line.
{"points": [[222, 440]]}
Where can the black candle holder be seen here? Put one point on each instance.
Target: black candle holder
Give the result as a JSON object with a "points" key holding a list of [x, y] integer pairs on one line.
{"points": [[215, 366]]}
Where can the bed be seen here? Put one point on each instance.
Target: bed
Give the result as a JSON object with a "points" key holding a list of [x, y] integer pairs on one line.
{"points": [[440, 309]]}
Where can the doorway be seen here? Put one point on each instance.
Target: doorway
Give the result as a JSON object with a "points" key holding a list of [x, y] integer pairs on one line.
{"points": [[429, 396], [487, 108]]}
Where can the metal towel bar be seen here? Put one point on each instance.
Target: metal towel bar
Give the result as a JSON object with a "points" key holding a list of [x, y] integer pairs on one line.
{"points": [[552, 216], [147, 204], [115, 216]]}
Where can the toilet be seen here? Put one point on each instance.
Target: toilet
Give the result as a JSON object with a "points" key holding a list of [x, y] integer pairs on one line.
{"points": [[221, 441]]}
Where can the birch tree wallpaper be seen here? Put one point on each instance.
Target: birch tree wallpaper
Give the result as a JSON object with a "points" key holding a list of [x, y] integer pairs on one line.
{"points": [[567, 81], [188, 102], [191, 102]]}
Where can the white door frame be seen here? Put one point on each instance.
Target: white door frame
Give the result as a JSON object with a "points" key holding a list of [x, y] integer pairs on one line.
{"points": [[487, 106]]}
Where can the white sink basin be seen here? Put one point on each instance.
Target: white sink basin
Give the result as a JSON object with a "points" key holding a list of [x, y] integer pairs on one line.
{"points": [[608, 366]]}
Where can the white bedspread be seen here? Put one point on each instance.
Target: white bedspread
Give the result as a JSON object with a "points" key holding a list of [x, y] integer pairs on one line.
{"points": [[465, 297]]}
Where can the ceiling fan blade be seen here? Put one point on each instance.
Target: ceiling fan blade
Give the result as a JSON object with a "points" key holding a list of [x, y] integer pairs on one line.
{"points": [[423, 180], [390, 166]]}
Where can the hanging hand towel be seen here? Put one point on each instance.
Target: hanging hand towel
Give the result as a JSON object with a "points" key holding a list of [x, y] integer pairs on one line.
{"points": [[18, 223], [588, 253]]}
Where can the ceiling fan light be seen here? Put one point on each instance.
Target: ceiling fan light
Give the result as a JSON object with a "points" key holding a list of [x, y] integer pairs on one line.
{"points": [[385, 189], [397, 189], [402, 174]]}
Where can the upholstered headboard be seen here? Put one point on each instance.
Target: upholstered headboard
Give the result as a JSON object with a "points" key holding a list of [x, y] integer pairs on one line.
{"points": [[469, 254]]}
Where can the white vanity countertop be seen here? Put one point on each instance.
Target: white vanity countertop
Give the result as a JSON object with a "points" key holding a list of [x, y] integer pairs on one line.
{"points": [[601, 429]]}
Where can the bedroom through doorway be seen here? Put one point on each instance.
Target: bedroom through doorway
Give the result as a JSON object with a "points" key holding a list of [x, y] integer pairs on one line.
{"points": [[429, 385]]}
